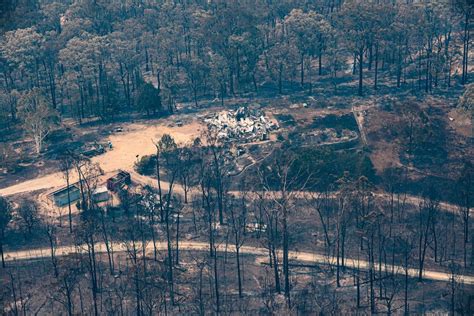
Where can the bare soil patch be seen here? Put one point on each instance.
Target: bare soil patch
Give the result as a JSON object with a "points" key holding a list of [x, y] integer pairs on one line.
{"points": [[136, 139], [460, 122]]}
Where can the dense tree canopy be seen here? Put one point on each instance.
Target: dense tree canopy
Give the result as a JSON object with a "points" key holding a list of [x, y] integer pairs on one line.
{"points": [[89, 58]]}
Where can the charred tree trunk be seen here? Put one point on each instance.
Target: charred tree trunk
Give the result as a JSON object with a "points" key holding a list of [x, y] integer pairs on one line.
{"points": [[302, 71], [361, 71], [376, 65], [465, 54]]}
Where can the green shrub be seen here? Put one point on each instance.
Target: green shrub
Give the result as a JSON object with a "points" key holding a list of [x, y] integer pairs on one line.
{"points": [[146, 165], [326, 165]]}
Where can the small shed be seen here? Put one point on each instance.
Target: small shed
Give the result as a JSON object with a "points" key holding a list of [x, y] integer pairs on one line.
{"points": [[118, 181], [101, 194], [60, 197]]}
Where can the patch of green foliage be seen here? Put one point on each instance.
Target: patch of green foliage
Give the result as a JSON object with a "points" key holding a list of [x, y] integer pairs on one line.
{"points": [[325, 165], [146, 165], [338, 122], [149, 99]]}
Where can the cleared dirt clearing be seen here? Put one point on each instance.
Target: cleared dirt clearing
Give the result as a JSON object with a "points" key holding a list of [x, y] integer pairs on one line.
{"points": [[137, 139]]}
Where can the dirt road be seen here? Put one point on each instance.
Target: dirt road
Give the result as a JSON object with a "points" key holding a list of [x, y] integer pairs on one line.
{"points": [[262, 253], [55, 181], [137, 139]]}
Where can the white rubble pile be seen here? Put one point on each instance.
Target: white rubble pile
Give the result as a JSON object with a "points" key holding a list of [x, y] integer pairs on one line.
{"points": [[243, 125]]}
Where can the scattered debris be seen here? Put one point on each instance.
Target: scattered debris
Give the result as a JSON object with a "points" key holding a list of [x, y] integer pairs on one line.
{"points": [[243, 125], [256, 227], [175, 216], [93, 150]]}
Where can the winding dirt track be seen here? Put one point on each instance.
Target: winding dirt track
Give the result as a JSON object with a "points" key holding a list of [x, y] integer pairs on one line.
{"points": [[56, 181], [137, 139], [304, 257]]}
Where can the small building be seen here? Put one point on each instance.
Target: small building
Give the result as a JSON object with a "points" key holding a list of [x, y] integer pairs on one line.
{"points": [[101, 194], [60, 197], [116, 182]]}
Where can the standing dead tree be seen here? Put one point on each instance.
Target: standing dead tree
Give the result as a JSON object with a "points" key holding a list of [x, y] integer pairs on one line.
{"points": [[51, 232], [215, 152], [177, 208], [88, 174], [321, 203], [5, 218], [166, 150], [67, 281], [135, 242], [106, 232], [273, 238], [208, 203], [344, 204], [404, 246], [281, 180], [238, 221], [189, 159], [150, 204], [427, 212], [66, 167], [209, 198], [28, 213], [465, 190], [38, 117], [86, 235]]}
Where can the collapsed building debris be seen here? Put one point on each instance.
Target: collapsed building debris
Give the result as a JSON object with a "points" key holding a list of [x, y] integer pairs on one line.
{"points": [[243, 125], [93, 150]]}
